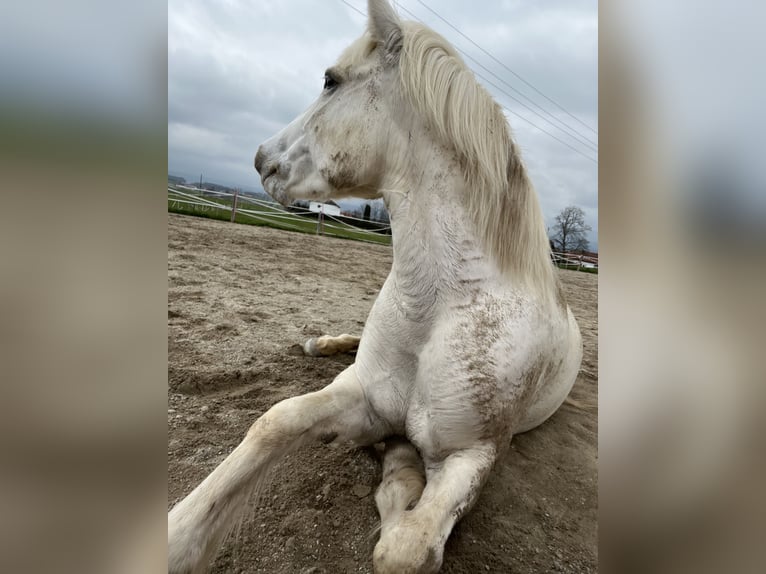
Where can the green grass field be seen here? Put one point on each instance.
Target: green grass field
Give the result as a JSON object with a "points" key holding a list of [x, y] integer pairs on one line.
{"points": [[294, 223]]}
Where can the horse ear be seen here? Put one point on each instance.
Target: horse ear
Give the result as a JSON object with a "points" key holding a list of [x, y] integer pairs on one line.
{"points": [[384, 27]]}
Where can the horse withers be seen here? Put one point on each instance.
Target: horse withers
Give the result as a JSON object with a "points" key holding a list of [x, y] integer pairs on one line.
{"points": [[470, 340]]}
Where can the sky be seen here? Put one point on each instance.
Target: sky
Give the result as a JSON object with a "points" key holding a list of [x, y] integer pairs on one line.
{"points": [[239, 71]]}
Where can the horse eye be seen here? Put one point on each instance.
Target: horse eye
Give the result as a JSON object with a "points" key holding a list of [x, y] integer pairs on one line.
{"points": [[329, 82]]}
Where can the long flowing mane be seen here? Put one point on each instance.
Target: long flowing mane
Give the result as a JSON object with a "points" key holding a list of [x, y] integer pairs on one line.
{"points": [[502, 201]]}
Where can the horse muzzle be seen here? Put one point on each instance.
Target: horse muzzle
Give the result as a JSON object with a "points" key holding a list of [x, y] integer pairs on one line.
{"points": [[260, 161]]}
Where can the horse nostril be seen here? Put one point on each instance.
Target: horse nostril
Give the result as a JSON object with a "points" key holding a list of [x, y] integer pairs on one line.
{"points": [[268, 170]]}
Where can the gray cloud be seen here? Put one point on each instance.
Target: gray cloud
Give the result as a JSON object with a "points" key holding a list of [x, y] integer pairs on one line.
{"points": [[239, 71]]}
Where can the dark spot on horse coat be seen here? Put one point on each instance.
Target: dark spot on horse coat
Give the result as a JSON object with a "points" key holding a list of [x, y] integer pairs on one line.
{"points": [[328, 437], [341, 174], [372, 97], [211, 512], [340, 156], [431, 559]]}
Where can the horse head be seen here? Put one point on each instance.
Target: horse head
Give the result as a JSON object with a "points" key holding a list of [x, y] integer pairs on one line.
{"points": [[338, 146]]}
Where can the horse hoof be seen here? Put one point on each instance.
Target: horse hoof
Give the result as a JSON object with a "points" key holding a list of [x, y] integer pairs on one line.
{"points": [[310, 348]]}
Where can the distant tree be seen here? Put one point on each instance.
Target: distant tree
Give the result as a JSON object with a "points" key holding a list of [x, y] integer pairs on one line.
{"points": [[582, 245], [366, 212], [568, 232]]}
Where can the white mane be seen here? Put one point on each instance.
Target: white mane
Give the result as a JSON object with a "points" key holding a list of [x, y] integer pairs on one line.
{"points": [[502, 204]]}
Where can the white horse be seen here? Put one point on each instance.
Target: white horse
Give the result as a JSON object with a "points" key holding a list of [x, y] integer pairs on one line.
{"points": [[469, 341]]}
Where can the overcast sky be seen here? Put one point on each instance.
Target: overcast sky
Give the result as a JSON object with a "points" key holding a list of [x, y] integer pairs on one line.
{"points": [[239, 70]]}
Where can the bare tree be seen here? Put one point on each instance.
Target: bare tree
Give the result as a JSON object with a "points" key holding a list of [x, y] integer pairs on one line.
{"points": [[568, 232]]}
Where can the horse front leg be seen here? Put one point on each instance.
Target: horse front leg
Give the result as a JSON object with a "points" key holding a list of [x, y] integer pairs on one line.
{"points": [[402, 482], [327, 345], [198, 524], [414, 544]]}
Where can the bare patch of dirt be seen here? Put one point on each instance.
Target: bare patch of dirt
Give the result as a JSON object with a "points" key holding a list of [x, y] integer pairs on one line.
{"points": [[240, 299]]}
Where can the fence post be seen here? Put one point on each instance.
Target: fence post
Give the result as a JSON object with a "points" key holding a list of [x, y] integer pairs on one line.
{"points": [[234, 206]]}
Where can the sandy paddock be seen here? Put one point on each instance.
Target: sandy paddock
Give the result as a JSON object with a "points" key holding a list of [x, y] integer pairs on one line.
{"points": [[240, 299]]}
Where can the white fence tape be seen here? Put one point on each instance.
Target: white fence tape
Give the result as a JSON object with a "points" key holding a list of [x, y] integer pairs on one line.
{"points": [[282, 217], [574, 260], [276, 212]]}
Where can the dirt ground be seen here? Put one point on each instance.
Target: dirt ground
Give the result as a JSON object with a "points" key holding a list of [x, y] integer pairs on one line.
{"points": [[240, 298]]}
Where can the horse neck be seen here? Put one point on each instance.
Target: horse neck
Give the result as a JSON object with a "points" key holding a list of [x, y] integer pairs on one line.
{"points": [[434, 235], [432, 232]]}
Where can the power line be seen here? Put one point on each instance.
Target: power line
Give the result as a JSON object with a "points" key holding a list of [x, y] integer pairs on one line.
{"points": [[506, 67], [538, 127], [566, 128], [507, 109], [354, 8], [581, 139]]}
